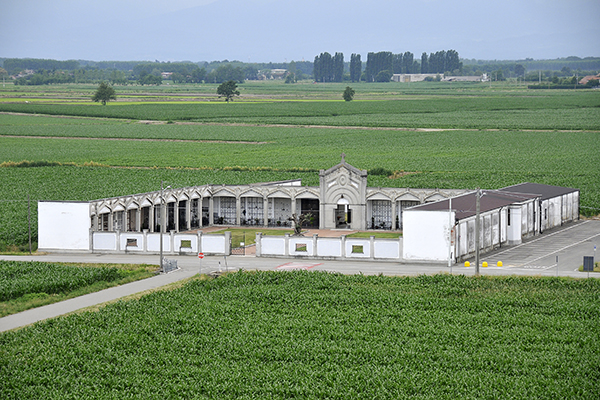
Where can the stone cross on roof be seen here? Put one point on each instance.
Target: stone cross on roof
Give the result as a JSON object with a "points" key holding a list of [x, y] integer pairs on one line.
{"points": [[343, 157]]}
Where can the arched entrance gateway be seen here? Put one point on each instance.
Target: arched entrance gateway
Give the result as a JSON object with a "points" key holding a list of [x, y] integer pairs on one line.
{"points": [[343, 197]]}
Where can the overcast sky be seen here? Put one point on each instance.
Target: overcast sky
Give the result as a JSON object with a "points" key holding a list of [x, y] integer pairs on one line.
{"points": [[282, 30]]}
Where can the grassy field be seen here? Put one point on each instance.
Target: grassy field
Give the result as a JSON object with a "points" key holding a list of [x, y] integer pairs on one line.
{"points": [[317, 335], [491, 137], [25, 285]]}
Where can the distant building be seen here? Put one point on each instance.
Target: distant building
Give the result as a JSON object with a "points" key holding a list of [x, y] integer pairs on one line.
{"points": [[422, 77], [413, 77], [588, 78]]}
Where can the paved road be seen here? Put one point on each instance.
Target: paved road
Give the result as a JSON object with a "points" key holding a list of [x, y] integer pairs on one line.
{"points": [[567, 245], [535, 257]]}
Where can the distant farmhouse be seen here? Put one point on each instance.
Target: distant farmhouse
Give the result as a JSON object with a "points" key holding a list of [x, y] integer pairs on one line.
{"points": [[588, 78]]}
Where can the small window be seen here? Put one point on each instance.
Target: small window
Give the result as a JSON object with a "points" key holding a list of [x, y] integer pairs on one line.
{"points": [[301, 247], [131, 242], [357, 249], [186, 244], [508, 214]]}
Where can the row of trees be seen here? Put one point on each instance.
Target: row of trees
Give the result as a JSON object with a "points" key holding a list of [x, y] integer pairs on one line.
{"points": [[327, 68]]}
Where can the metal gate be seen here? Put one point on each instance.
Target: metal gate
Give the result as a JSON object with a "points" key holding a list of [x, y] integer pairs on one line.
{"points": [[238, 243]]}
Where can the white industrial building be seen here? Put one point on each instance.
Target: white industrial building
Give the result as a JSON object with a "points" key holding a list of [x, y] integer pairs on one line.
{"points": [[446, 229]]}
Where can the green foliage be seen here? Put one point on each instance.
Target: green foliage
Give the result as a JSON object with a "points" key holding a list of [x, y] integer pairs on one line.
{"points": [[513, 136], [104, 93], [348, 94], [19, 278], [317, 335], [228, 90]]}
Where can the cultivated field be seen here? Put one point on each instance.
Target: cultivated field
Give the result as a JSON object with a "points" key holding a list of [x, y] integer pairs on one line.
{"points": [[25, 284], [309, 335], [446, 135], [301, 334]]}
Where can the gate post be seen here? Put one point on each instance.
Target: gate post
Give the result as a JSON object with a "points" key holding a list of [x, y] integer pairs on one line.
{"points": [[227, 246], [258, 244]]}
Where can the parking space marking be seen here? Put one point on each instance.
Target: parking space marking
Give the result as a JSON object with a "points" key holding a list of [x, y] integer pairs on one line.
{"points": [[297, 265]]}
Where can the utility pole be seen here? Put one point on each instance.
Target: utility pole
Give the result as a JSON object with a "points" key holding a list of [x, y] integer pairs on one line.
{"points": [[477, 208], [450, 234], [163, 213], [162, 225], [29, 220]]}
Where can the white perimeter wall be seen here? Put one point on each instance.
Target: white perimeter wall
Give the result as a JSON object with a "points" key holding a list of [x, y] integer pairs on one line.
{"points": [[63, 225], [328, 247], [173, 243], [426, 235]]}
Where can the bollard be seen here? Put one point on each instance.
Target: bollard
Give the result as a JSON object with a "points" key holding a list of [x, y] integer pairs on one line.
{"points": [[499, 263], [484, 264], [467, 264]]}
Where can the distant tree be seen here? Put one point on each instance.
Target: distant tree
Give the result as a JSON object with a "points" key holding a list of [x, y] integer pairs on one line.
{"points": [[198, 75], [355, 67], [424, 63], [378, 62], [338, 67], [407, 62], [290, 78], [104, 93], [228, 90], [384, 76], [519, 70], [348, 94]]}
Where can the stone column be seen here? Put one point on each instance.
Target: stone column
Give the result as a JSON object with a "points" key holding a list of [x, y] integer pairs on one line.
{"points": [[151, 218], [265, 211], [188, 215], [138, 220]]}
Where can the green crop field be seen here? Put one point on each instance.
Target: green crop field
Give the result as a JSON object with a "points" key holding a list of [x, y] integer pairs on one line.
{"points": [[462, 136], [259, 335], [25, 284]]}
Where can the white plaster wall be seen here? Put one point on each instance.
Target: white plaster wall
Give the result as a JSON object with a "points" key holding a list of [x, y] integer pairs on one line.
{"points": [[192, 238], [154, 242], [426, 235], [63, 225], [365, 243], [140, 241], [387, 248], [273, 246], [513, 231], [213, 244], [329, 247], [105, 241], [307, 241]]}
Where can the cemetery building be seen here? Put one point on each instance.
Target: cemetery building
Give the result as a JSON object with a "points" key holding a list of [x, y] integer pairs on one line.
{"points": [[341, 201], [436, 224]]}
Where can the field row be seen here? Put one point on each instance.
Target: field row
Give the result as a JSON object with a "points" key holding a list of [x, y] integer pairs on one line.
{"points": [[317, 335], [527, 112], [30, 284], [20, 278]]}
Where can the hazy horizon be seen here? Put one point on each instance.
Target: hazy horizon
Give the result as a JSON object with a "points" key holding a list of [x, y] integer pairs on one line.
{"points": [[275, 31]]}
